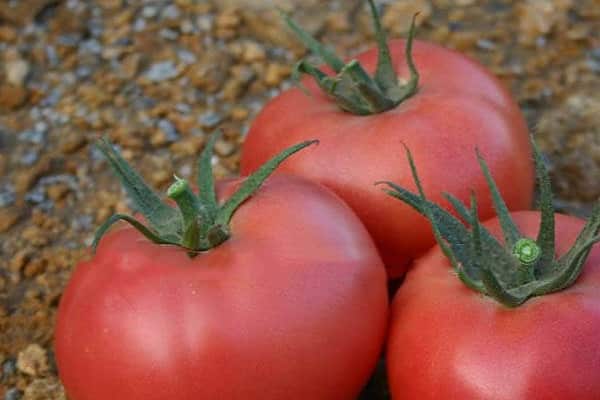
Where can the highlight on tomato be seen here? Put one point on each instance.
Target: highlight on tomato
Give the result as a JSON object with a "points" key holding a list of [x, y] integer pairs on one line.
{"points": [[519, 317], [436, 101], [253, 288]]}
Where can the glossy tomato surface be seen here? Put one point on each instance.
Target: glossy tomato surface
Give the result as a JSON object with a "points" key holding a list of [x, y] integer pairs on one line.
{"points": [[458, 107], [292, 306], [449, 342]]}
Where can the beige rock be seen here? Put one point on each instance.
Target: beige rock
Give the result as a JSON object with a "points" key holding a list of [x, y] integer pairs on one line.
{"points": [[44, 389], [16, 71], [33, 360], [9, 216], [12, 97]]}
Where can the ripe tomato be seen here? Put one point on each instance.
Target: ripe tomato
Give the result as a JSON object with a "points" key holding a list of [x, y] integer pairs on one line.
{"points": [[292, 306], [458, 106], [448, 341]]}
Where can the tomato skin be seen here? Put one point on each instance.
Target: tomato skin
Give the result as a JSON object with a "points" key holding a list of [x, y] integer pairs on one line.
{"points": [[447, 341], [459, 106], [293, 305]]}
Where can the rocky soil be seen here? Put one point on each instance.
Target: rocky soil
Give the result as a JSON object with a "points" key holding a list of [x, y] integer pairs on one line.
{"points": [[158, 76]]}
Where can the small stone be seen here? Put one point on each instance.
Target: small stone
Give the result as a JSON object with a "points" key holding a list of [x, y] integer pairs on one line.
{"points": [[158, 139], [253, 52], [8, 34], [72, 142], [9, 216], [25, 178], [239, 113], [29, 158], [17, 71], [210, 72], [35, 267], [7, 195], [276, 73], [12, 394], [19, 260], [35, 136], [168, 129], [33, 361], [171, 12], [57, 191], [224, 148], [486, 44], [187, 57], [228, 20], [187, 27], [130, 65], [338, 22], [149, 12], [397, 16], [35, 236], [210, 119], [538, 18], [44, 389], [111, 4], [235, 87], [162, 71], [160, 177], [188, 147], [169, 34], [12, 97], [9, 366]]}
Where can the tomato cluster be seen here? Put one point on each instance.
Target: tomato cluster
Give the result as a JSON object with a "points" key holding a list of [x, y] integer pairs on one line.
{"points": [[275, 286]]}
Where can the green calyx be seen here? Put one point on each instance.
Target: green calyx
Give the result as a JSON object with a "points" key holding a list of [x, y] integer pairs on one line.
{"points": [[353, 89], [517, 270], [199, 222]]}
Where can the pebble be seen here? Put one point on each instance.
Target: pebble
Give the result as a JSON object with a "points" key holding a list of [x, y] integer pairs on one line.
{"points": [[72, 142], [7, 196], [210, 119], [210, 72], [149, 12], [9, 367], [26, 178], [33, 360], [13, 394], [9, 216], [398, 15], [57, 191], [224, 148], [162, 71], [8, 34], [17, 71], [12, 97], [44, 389], [171, 12], [30, 157]]}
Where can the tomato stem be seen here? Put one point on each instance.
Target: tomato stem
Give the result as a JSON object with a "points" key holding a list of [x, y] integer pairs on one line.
{"points": [[517, 270], [189, 207], [200, 224], [352, 88]]}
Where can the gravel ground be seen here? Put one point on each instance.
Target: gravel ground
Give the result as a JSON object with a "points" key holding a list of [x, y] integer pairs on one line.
{"points": [[157, 77]]}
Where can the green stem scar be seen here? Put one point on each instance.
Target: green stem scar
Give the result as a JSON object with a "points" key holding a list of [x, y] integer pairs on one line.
{"points": [[198, 223], [521, 268], [352, 88], [527, 251]]}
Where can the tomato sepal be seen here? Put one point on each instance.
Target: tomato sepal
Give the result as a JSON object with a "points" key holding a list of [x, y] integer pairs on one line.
{"points": [[352, 88], [521, 267], [198, 223]]}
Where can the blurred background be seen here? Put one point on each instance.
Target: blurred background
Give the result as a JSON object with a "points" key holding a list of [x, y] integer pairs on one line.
{"points": [[157, 77]]}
